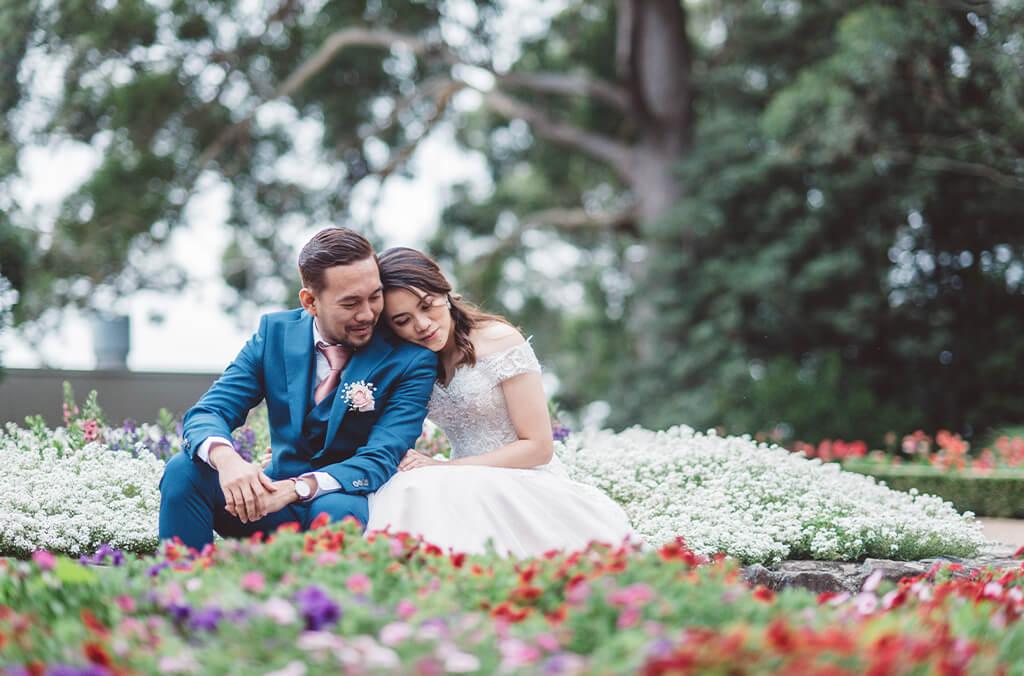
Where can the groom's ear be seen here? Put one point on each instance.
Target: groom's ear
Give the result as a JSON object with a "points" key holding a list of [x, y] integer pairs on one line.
{"points": [[308, 300]]}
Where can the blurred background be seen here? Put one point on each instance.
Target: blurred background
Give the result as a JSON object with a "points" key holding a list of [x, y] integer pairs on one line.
{"points": [[801, 219]]}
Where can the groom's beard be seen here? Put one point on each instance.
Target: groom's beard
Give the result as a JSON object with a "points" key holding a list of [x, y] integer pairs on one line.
{"points": [[353, 339]]}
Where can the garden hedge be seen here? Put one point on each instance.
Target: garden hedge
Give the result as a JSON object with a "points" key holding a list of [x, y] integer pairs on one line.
{"points": [[997, 493]]}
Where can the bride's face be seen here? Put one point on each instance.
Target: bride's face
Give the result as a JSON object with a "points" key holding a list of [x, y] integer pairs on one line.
{"points": [[420, 317]]}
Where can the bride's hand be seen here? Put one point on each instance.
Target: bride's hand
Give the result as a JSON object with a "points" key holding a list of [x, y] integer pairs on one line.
{"points": [[414, 459], [267, 457]]}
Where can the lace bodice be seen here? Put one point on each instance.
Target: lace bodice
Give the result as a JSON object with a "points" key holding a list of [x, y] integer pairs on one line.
{"points": [[471, 408]]}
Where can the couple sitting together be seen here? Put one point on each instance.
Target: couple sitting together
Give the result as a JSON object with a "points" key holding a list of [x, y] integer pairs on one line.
{"points": [[379, 344]]}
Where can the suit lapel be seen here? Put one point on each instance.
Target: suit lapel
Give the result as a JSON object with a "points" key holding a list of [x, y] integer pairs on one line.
{"points": [[298, 357], [360, 366]]}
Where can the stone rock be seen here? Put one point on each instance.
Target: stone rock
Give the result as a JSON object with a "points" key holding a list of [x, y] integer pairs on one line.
{"points": [[839, 576]]}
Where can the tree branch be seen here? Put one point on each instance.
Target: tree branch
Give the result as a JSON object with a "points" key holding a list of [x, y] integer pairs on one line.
{"points": [[442, 100], [569, 85], [334, 44], [602, 148], [936, 163], [581, 219]]}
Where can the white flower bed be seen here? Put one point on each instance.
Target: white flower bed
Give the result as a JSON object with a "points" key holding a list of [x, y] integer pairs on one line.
{"points": [[761, 503], [72, 501], [755, 502]]}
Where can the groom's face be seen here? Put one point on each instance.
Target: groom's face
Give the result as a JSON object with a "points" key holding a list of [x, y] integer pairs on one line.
{"points": [[350, 303]]}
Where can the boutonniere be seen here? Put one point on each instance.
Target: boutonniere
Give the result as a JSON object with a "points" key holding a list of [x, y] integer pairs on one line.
{"points": [[359, 396]]}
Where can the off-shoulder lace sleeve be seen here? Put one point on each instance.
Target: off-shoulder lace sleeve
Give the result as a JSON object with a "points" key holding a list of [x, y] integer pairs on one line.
{"points": [[514, 361]]}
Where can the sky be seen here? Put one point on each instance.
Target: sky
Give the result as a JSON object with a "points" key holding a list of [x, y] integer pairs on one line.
{"points": [[195, 334]]}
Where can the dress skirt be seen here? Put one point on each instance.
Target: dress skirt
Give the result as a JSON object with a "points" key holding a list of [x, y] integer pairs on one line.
{"points": [[521, 512]]}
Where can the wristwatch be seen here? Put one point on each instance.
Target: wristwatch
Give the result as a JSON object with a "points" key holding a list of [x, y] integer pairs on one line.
{"points": [[302, 489]]}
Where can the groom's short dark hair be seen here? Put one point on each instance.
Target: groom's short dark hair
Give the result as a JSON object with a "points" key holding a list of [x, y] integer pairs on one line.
{"points": [[328, 248]]}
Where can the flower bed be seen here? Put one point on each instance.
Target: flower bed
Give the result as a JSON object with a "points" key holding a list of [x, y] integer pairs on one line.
{"points": [[332, 600], [86, 484], [987, 483], [762, 503]]}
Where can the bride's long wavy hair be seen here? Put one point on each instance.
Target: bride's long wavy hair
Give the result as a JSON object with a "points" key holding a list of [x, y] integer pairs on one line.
{"points": [[405, 268]]}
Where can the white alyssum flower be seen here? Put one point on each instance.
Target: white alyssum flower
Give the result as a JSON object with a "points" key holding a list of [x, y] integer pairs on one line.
{"points": [[72, 500], [760, 503]]}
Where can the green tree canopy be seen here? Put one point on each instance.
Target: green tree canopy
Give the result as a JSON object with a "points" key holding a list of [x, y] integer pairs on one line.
{"points": [[743, 213]]}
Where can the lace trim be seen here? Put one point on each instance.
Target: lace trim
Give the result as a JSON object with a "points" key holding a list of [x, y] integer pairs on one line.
{"points": [[514, 361]]}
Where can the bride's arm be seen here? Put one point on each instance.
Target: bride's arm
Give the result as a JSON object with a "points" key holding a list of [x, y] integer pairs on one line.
{"points": [[528, 409]]}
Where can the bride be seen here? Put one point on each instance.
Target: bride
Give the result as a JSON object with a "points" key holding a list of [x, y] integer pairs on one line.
{"points": [[502, 483]]}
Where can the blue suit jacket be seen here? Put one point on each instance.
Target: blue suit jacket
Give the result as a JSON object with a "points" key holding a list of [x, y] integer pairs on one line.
{"points": [[361, 449]]}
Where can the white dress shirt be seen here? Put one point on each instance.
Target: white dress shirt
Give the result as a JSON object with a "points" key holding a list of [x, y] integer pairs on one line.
{"points": [[325, 482]]}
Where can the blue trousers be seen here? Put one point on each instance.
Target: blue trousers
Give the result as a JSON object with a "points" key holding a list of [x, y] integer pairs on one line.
{"points": [[192, 506]]}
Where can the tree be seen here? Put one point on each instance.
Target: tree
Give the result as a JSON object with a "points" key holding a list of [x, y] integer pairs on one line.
{"points": [[635, 138]]}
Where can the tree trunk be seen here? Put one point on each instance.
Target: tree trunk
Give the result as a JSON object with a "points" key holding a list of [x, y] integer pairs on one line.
{"points": [[655, 63]]}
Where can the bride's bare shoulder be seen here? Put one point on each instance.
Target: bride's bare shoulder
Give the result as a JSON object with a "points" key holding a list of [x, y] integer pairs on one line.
{"points": [[493, 337]]}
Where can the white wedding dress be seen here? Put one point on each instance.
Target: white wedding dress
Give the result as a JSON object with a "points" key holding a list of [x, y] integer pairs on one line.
{"points": [[522, 512]]}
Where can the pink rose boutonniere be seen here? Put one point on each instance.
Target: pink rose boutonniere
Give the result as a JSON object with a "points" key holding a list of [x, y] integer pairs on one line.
{"points": [[359, 396]]}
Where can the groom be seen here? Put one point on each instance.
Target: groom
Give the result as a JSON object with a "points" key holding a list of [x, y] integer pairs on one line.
{"points": [[344, 403]]}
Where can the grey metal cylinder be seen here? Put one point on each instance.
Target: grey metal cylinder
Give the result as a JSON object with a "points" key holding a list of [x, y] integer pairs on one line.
{"points": [[111, 341]]}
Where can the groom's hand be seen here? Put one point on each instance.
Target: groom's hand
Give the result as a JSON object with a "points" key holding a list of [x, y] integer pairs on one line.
{"points": [[246, 488]]}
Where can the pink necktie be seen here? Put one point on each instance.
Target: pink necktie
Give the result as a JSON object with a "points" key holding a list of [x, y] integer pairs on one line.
{"points": [[337, 357]]}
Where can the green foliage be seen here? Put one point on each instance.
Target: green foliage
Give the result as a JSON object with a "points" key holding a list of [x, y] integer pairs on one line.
{"points": [[834, 268], [845, 254], [999, 493]]}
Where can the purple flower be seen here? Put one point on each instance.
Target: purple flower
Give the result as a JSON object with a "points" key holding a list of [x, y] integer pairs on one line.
{"points": [[155, 570], [180, 612], [129, 426], [69, 670], [560, 432], [206, 619], [318, 610]]}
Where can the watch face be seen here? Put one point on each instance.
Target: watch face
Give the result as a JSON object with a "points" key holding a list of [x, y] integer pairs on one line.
{"points": [[302, 488]]}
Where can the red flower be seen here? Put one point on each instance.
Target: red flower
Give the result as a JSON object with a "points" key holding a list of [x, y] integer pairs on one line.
{"points": [[96, 654], [764, 594], [321, 520], [458, 559], [432, 550], [558, 615], [780, 637], [93, 623], [678, 551], [826, 596], [527, 575], [526, 594], [1018, 553], [509, 613]]}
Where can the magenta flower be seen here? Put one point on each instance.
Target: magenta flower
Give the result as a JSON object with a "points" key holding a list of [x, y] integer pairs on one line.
{"points": [[253, 582], [44, 559], [358, 583], [405, 609]]}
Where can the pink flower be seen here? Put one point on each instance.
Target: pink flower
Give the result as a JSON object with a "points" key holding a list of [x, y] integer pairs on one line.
{"points": [[405, 609], [516, 653], [633, 595], [578, 593], [44, 559], [394, 633], [359, 396], [629, 617], [279, 610], [327, 558], [548, 642], [358, 583], [866, 603], [254, 582], [91, 429], [126, 603], [871, 584]]}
